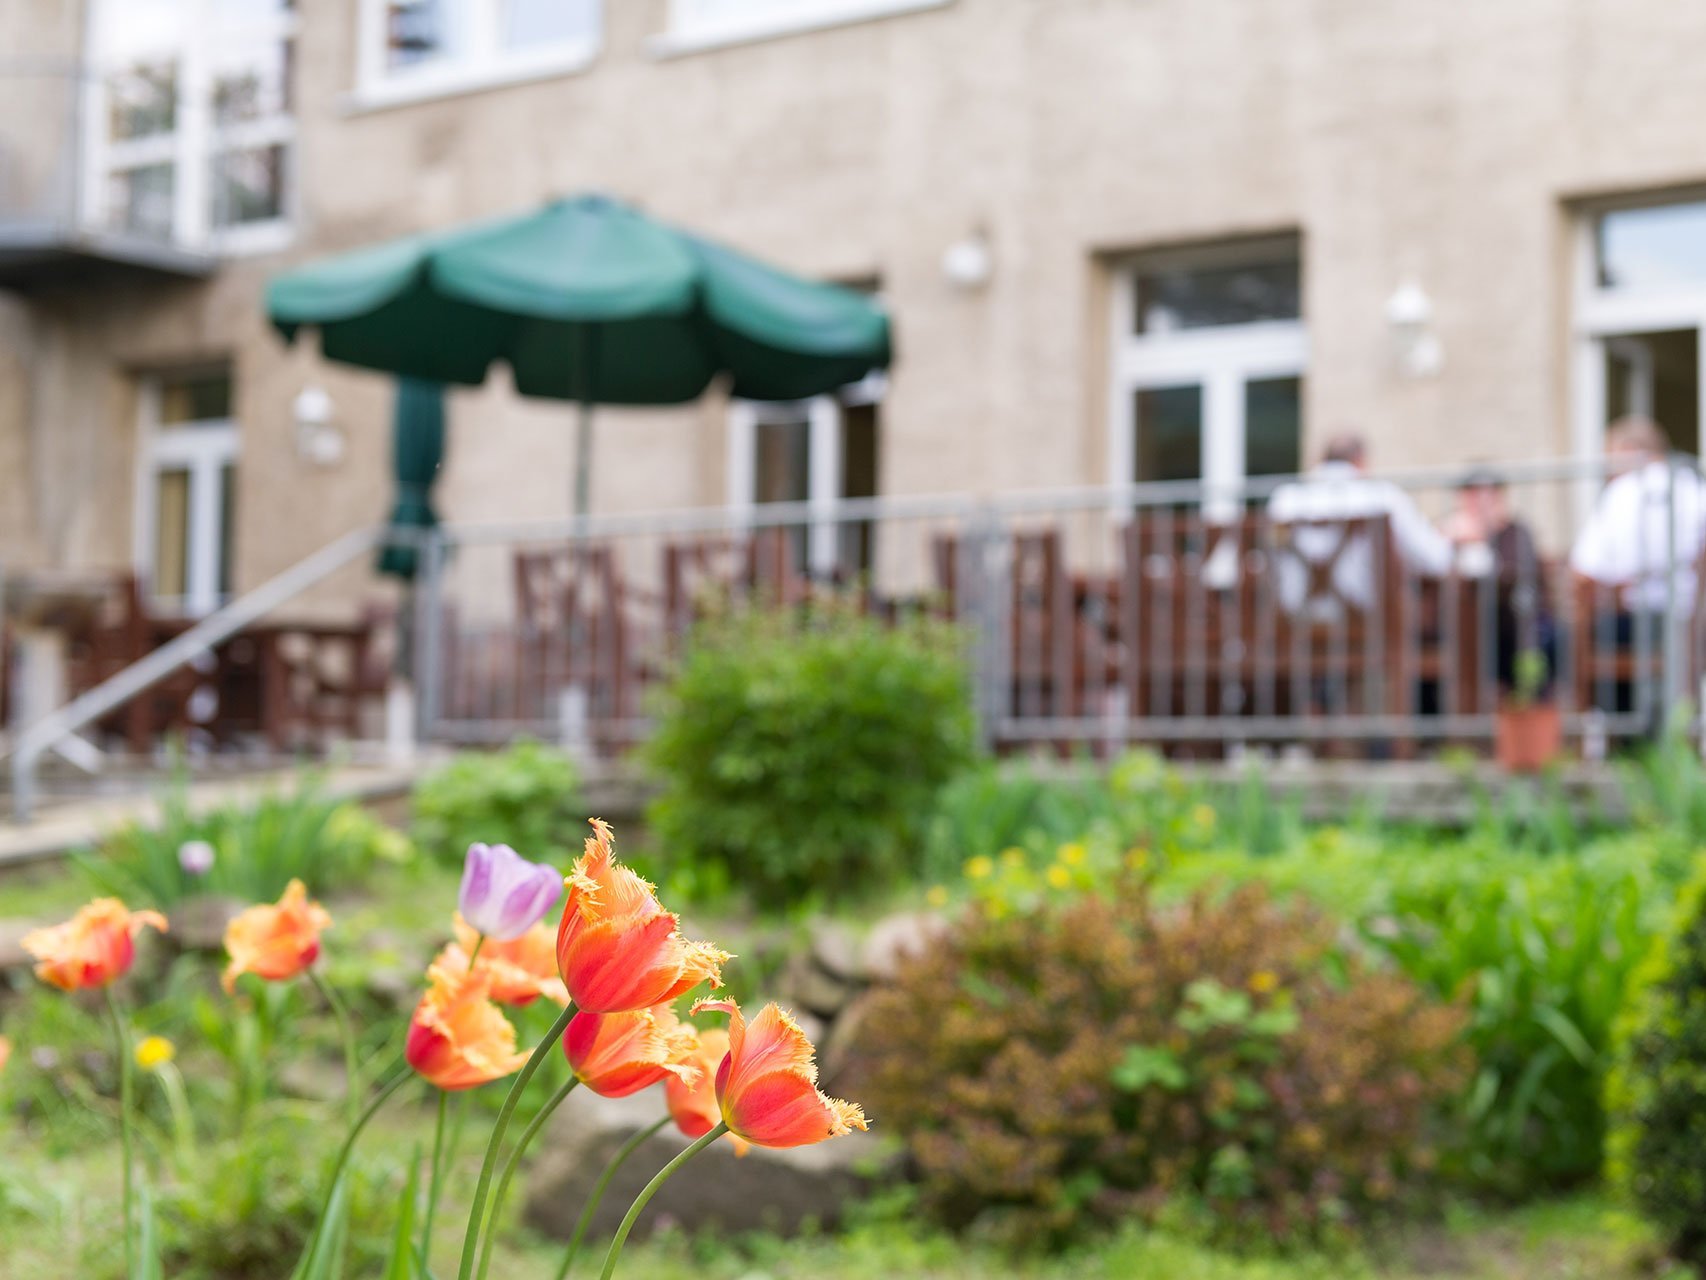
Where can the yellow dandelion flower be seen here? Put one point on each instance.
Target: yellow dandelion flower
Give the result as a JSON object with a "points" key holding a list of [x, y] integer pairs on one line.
{"points": [[154, 1052], [936, 896], [1073, 855], [1059, 877], [1013, 857], [980, 867], [1203, 816], [1263, 981]]}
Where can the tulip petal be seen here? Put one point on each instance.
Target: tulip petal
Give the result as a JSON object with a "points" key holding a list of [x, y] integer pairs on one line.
{"points": [[784, 1109]]}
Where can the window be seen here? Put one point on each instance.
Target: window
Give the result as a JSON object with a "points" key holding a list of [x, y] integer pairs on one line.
{"points": [[1640, 322], [1208, 365], [186, 490], [419, 48], [191, 135], [819, 452], [698, 24]]}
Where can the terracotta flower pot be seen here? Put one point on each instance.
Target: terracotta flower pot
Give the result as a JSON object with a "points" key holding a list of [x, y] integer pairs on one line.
{"points": [[1528, 738]]}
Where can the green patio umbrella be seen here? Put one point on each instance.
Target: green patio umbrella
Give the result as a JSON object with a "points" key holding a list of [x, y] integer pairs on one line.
{"points": [[417, 451], [588, 300]]}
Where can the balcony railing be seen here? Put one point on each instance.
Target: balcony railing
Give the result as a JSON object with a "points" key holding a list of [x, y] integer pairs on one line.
{"points": [[1202, 622], [1094, 619], [66, 210]]}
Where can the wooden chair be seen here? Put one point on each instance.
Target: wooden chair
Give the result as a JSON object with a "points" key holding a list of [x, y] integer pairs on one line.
{"points": [[123, 632], [573, 632], [1600, 665], [708, 572]]}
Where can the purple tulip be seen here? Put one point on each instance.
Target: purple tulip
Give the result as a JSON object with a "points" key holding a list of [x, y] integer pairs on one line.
{"points": [[503, 894]]}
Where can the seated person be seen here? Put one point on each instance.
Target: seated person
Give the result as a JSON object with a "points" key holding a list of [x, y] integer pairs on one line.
{"points": [[1339, 489], [1627, 542], [1493, 542]]}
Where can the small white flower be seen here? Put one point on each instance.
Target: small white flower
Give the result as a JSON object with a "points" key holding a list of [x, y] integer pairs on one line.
{"points": [[195, 857]]}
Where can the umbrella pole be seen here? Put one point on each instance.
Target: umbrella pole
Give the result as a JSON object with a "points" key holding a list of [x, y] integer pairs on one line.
{"points": [[583, 460]]}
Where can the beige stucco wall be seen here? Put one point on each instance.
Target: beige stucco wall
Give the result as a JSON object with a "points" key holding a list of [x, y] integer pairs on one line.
{"points": [[1440, 141]]}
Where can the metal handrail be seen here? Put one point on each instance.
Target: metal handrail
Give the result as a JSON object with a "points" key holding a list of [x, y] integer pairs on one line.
{"points": [[41, 736]]}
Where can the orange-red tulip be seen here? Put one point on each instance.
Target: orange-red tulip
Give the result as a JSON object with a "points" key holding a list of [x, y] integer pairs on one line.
{"points": [[5, 1051], [616, 1054], [767, 1085], [617, 948], [693, 1104], [459, 1039], [92, 948], [522, 969], [275, 941]]}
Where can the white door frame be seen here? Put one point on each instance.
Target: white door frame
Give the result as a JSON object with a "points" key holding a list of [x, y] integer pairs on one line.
{"points": [[204, 450], [1220, 359], [824, 425], [1600, 317]]}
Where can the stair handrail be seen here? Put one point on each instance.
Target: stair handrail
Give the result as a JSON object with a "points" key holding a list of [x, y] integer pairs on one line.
{"points": [[40, 736]]}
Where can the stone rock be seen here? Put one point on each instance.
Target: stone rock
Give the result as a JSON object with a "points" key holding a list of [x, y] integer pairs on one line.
{"points": [[897, 937], [12, 953], [840, 1064], [198, 923], [316, 1078], [835, 946], [778, 1191], [804, 985]]}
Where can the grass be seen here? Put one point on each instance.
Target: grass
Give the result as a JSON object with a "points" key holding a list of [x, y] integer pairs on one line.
{"points": [[54, 1217]]}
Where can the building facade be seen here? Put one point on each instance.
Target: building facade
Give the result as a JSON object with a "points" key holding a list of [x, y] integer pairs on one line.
{"points": [[1120, 240]]}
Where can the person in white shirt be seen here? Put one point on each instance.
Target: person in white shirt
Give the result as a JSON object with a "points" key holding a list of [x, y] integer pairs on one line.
{"points": [[1647, 529], [1337, 490]]}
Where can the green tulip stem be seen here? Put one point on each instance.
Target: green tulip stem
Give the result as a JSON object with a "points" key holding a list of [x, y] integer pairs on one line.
{"points": [[390, 1087], [477, 1210], [437, 1180], [663, 1176], [121, 1039], [514, 1163], [345, 1034], [598, 1188]]}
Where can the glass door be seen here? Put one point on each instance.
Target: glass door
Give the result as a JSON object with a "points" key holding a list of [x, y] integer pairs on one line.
{"points": [[1209, 357]]}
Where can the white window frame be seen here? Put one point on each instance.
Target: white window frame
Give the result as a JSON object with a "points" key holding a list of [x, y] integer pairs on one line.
{"points": [[482, 62], [1220, 359], [825, 425], [694, 25], [195, 140], [1602, 316], [205, 449]]}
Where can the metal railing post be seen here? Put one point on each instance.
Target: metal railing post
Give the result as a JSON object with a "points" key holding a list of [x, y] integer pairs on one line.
{"points": [[429, 635], [1670, 657], [983, 572]]}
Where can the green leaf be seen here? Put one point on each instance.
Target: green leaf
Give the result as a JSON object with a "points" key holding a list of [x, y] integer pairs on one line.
{"points": [[401, 1264], [1144, 1065], [1566, 1033], [325, 1257], [1281, 1020], [148, 1266]]}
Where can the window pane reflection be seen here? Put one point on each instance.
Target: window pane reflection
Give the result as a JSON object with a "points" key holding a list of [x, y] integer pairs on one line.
{"points": [[1172, 298], [1657, 247], [1273, 426], [1169, 433]]}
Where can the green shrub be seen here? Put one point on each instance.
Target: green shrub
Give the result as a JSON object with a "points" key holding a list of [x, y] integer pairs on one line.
{"points": [[527, 797], [800, 751], [1656, 1093], [1065, 1067], [259, 848], [1539, 947], [1140, 802]]}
